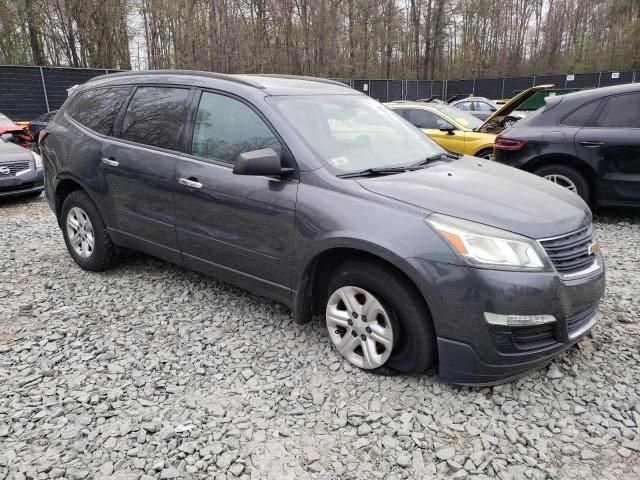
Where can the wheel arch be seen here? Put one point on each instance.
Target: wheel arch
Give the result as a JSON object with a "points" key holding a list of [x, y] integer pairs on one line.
{"points": [[314, 280], [65, 186]]}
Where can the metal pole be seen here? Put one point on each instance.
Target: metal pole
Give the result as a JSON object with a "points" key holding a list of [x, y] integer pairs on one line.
{"points": [[599, 76], [387, 90], [502, 94], [44, 89]]}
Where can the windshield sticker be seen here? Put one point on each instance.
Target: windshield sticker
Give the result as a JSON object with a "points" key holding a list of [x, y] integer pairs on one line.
{"points": [[462, 121], [339, 161]]}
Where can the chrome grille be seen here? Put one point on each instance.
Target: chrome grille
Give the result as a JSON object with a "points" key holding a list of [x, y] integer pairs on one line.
{"points": [[570, 253], [15, 167]]}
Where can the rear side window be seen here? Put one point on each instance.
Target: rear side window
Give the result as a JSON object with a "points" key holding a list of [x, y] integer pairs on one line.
{"points": [[580, 117], [97, 109], [425, 119], [226, 127], [400, 111], [482, 107], [154, 116], [621, 111]]}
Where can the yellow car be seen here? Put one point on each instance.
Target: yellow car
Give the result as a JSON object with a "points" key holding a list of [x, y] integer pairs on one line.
{"points": [[457, 130]]}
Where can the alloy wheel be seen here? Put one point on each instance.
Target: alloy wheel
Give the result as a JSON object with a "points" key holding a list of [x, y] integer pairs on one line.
{"points": [[562, 181], [360, 327], [80, 232]]}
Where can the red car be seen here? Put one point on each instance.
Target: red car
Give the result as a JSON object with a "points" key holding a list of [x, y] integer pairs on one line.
{"points": [[20, 135]]}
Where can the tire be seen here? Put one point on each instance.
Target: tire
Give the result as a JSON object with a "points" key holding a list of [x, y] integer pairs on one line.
{"points": [[509, 122], [486, 154], [414, 342], [567, 177], [103, 254]]}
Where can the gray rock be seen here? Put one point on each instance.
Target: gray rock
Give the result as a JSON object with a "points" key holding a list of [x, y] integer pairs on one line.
{"points": [[446, 453]]}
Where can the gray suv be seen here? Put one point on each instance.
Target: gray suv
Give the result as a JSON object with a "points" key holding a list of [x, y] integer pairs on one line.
{"points": [[310, 193]]}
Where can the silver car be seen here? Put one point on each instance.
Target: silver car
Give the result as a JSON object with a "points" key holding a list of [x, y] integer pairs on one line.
{"points": [[483, 108]]}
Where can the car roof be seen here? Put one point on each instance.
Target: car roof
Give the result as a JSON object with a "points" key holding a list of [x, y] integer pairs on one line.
{"points": [[467, 99], [270, 84], [594, 93], [422, 105]]}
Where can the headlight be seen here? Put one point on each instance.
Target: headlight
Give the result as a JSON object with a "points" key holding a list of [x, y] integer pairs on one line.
{"points": [[37, 158], [481, 245]]}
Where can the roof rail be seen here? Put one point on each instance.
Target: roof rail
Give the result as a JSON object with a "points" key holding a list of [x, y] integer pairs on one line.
{"points": [[219, 76], [298, 77]]}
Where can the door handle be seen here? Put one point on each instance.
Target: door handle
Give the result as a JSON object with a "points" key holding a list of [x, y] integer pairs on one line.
{"points": [[590, 144], [189, 183], [110, 162]]}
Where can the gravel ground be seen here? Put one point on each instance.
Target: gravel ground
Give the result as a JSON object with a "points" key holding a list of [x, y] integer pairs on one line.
{"points": [[153, 371]]}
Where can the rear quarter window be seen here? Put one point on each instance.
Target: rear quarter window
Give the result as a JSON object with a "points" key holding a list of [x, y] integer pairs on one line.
{"points": [[98, 108], [580, 117]]}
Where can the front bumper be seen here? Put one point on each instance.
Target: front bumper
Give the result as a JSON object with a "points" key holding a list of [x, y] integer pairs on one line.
{"points": [[472, 352], [31, 181]]}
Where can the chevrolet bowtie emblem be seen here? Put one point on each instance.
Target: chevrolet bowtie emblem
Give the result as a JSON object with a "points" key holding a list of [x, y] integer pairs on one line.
{"points": [[594, 247]]}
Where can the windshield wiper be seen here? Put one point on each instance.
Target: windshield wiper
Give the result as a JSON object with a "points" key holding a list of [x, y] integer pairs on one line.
{"points": [[379, 171], [400, 168], [438, 156]]}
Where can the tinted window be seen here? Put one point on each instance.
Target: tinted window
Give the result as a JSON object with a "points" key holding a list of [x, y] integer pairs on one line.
{"points": [[425, 119], [622, 111], [466, 106], [154, 116], [400, 111], [226, 127], [581, 116], [97, 109]]}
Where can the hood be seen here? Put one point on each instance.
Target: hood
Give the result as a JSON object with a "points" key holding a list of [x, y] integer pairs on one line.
{"points": [[11, 128], [13, 152], [512, 105], [486, 192]]}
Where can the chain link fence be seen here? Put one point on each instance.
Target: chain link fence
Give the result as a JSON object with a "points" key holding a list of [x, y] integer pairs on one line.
{"points": [[28, 92]]}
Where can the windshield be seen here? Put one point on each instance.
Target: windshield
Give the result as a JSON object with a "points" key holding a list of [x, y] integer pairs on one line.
{"points": [[351, 133], [460, 117]]}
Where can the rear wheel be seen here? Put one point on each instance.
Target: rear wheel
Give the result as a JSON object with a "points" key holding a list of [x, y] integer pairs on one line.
{"points": [[377, 320], [85, 233], [566, 177], [509, 122], [486, 154]]}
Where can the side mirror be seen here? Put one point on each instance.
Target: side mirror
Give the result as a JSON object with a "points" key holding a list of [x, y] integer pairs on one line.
{"points": [[6, 137], [260, 162], [447, 127]]}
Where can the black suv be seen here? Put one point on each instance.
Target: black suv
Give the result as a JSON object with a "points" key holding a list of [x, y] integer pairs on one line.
{"points": [[318, 196], [588, 142]]}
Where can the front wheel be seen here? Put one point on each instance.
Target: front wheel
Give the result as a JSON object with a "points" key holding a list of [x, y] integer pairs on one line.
{"points": [[566, 177], [377, 320]]}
